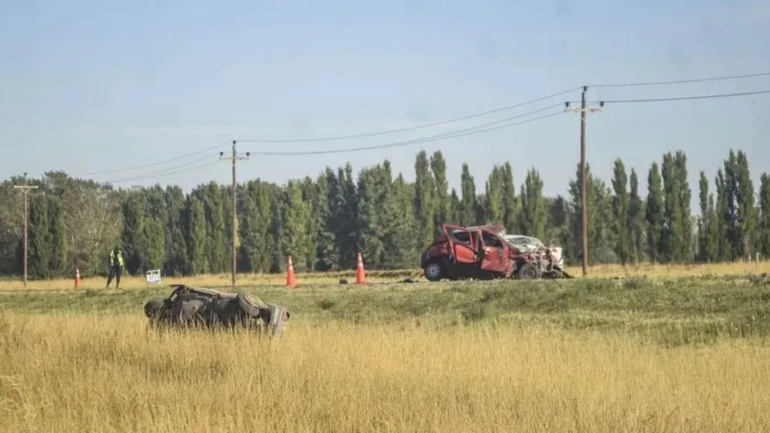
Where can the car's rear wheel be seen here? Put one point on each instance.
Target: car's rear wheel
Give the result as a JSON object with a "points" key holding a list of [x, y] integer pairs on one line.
{"points": [[434, 270], [529, 271]]}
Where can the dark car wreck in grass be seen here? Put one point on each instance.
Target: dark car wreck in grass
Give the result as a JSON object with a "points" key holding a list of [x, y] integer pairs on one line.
{"points": [[190, 306]]}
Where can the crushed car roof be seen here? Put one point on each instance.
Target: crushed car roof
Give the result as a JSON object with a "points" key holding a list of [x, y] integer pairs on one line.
{"points": [[494, 228]]}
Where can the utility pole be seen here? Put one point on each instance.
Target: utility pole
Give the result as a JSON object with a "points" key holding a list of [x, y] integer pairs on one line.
{"points": [[25, 189], [583, 206], [233, 159]]}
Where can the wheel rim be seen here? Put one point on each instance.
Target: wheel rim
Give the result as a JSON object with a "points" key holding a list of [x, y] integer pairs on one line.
{"points": [[433, 270], [529, 272]]}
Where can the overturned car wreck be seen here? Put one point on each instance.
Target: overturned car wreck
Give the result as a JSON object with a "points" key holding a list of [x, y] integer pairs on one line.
{"points": [[200, 307]]}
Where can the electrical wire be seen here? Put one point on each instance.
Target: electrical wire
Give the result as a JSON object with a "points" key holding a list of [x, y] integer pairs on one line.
{"points": [[137, 167], [438, 137], [684, 81], [685, 98], [471, 116], [444, 122], [411, 128], [480, 128], [166, 172]]}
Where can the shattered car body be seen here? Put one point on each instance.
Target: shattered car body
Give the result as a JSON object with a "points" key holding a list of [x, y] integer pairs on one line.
{"points": [[197, 306], [487, 252], [547, 262], [528, 244]]}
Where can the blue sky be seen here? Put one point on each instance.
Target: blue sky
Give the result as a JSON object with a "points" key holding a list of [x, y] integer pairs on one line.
{"points": [[89, 86]]}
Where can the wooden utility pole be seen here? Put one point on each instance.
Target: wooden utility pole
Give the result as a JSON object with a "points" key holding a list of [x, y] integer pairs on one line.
{"points": [[583, 201], [25, 189], [233, 159]]}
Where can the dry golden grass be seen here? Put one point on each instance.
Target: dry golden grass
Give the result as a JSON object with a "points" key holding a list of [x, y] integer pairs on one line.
{"points": [[98, 374], [684, 270], [224, 280], [316, 278]]}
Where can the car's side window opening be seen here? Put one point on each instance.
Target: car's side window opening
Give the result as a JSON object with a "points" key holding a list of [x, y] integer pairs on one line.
{"points": [[491, 240], [461, 236]]}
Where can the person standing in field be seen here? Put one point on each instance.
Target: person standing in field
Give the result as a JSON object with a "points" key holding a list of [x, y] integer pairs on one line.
{"points": [[116, 266]]}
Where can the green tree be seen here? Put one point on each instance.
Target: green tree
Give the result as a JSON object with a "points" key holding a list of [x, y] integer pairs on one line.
{"points": [[620, 212], [57, 259], [327, 257], [343, 218], [443, 210], [636, 222], [764, 221], [723, 216], [703, 221], [510, 204], [373, 190], [533, 213], [746, 233], [296, 215], [153, 245], [456, 208], [495, 206], [468, 202], [39, 238], [557, 222], [654, 213], [133, 229], [713, 231], [398, 233], [256, 248], [278, 256], [213, 198], [425, 200], [197, 232], [599, 221], [311, 196], [684, 253], [672, 233], [175, 261]]}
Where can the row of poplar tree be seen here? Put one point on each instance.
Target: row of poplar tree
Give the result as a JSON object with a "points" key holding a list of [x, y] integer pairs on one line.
{"points": [[323, 222]]}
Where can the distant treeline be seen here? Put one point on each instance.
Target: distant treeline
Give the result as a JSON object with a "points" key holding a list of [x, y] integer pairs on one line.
{"points": [[323, 222]]}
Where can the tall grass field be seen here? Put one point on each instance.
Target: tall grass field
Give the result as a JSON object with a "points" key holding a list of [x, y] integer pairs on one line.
{"points": [[667, 353]]}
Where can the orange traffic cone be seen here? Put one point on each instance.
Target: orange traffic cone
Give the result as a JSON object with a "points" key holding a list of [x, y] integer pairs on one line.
{"points": [[77, 277], [290, 280], [360, 275]]}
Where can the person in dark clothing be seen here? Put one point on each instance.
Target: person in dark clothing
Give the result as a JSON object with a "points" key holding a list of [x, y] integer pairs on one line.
{"points": [[116, 266]]}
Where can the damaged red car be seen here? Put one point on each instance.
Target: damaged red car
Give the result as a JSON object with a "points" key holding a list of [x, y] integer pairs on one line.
{"points": [[487, 252]]}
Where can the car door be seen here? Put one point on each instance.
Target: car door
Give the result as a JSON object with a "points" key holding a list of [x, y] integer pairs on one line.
{"points": [[461, 244], [495, 253]]}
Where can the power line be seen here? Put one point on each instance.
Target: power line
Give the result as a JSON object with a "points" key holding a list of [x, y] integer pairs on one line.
{"points": [[683, 81], [686, 98], [137, 167], [454, 134], [411, 128], [496, 110], [167, 173], [448, 135]]}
